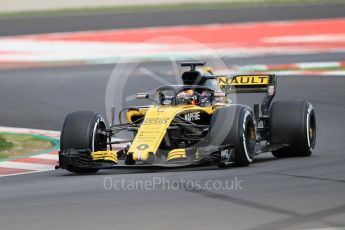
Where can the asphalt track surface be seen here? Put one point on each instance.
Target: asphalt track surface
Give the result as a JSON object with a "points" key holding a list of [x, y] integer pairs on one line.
{"points": [[273, 194]]}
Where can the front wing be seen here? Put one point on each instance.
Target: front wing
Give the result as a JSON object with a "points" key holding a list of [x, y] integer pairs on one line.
{"points": [[84, 158]]}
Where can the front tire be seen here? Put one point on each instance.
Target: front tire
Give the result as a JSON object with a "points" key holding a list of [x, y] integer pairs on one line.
{"points": [[234, 125], [292, 123], [80, 131]]}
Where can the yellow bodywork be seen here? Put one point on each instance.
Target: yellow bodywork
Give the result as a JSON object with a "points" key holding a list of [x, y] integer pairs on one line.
{"points": [[132, 113], [176, 154], [154, 128], [107, 155], [207, 69]]}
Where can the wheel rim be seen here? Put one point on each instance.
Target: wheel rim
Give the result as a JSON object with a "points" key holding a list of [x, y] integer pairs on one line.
{"points": [[99, 140], [250, 138], [311, 131]]}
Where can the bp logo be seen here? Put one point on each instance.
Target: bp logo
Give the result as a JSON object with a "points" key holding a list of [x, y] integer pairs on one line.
{"points": [[142, 147]]}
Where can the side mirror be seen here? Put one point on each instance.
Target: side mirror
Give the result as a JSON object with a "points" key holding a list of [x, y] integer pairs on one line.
{"points": [[142, 95], [146, 96]]}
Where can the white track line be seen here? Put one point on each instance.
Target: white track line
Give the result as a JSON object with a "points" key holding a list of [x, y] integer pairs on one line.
{"points": [[26, 166], [311, 65], [46, 156]]}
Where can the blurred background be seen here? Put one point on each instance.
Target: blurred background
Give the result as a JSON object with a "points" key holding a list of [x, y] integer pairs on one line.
{"points": [[57, 57], [51, 52]]}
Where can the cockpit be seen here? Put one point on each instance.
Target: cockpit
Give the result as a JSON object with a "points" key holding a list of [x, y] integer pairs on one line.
{"points": [[185, 95]]}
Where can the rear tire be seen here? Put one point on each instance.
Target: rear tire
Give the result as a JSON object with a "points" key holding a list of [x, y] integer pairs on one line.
{"points": [[79, 131], [292, 123], [235, 125]]}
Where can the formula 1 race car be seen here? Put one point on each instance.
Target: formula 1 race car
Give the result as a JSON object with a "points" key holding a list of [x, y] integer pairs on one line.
{"points": [[193, 123]]}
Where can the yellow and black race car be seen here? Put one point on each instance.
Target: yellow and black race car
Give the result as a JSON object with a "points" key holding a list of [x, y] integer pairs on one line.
{"points": [[193, 123]]}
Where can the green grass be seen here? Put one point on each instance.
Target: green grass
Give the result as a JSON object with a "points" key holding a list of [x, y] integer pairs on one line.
{"points": [[160, 7], [4, 144], [15, 145]]}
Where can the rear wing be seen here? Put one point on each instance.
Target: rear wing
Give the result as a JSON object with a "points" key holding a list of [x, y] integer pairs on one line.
{"points": [[255, 83], [248, 83]]}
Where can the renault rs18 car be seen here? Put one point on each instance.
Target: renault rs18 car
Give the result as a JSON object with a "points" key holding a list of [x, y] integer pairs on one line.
{"points": [[193, 123]]}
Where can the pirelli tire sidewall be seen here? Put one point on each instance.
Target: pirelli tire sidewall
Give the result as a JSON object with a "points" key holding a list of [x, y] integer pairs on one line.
{"points": [[292, 123], [79, 132], [234, 125], [244, 135]]}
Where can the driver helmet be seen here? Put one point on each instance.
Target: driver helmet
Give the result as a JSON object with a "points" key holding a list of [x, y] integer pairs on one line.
{"points": [[188, 97]]}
